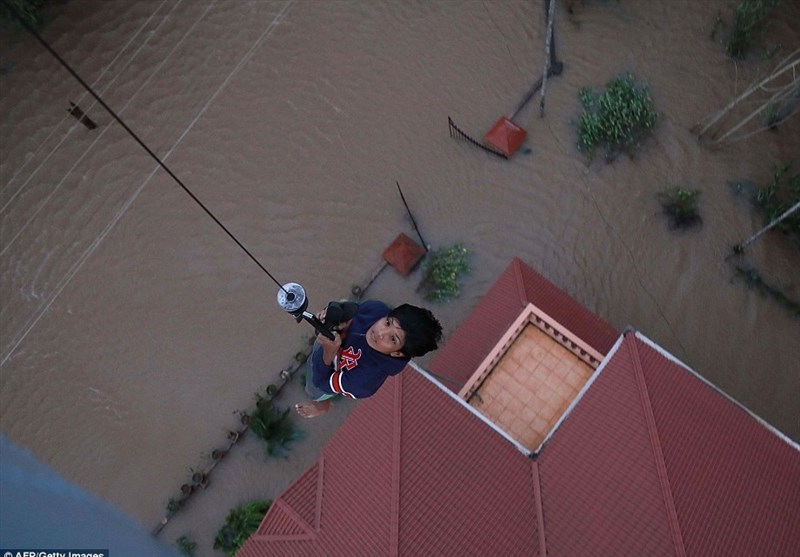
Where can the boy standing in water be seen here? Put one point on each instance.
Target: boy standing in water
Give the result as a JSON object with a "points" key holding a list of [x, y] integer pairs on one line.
{"points": [[376, 343]]}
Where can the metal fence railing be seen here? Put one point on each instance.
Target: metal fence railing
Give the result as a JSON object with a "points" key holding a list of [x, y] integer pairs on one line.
{"points": [[458, 133]]}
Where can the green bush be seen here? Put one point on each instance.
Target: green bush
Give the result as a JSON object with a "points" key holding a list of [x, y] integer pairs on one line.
{"points": [[617, 118], [748, 25], [442, 269], [680, 204], [272, 425], [240, 524]]}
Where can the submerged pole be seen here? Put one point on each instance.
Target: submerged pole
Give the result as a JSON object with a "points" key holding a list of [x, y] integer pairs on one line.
{"points": [[547, 51], [739, 248], [413, 220]]}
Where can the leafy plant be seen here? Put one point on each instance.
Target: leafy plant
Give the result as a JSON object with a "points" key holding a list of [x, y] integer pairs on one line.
{"points": [[617, 118], [240, 524], [748, 25], [680, 204], [272, 425], [780, 195], [186, 546], [442, 269]]}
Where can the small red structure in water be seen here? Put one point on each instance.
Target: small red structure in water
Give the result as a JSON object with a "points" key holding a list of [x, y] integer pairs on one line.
{"points": [[505, 136], [403, 254]]}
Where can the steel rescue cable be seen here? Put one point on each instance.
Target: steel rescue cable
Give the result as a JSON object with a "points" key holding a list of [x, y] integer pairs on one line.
{"points": [[177, 180], [291, 296]]}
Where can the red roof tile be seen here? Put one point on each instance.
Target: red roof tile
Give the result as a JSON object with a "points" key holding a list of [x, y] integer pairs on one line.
{"points": [[735, 484], [384, 492], [652, 460]]}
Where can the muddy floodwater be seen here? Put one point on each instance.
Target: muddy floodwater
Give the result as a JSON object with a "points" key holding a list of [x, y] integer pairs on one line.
{"points": [[133, 328]]}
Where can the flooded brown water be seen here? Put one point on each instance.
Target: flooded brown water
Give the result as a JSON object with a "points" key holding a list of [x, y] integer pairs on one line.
{"points": [[133, 328]]}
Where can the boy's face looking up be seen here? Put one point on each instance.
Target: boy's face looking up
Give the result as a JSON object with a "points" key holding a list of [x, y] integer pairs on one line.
{"points": [[387, 337]]}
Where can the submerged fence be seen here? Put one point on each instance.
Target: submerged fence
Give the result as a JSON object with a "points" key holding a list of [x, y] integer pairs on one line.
{"points": [[456, 132]]}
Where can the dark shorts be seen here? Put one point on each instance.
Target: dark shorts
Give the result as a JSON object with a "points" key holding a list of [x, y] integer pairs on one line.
{"points": [[314, 393]]}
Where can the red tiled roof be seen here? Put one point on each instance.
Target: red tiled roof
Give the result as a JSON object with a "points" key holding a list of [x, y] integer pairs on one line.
{"points": [[411, 472], [652, 460], [655, 461]]}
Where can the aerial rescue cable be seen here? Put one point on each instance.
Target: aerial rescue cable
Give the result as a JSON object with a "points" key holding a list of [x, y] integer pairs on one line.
{"points": [[291, 296]]}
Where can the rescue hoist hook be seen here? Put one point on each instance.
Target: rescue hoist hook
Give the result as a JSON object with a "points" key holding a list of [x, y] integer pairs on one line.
{"points": [[293, 300]]}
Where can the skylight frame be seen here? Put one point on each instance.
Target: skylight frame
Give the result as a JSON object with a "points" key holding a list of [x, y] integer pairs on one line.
{"points": [[530, 315]]}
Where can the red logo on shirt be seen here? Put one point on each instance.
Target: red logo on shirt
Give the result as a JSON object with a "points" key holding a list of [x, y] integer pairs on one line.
{"points": [[349, 359]]}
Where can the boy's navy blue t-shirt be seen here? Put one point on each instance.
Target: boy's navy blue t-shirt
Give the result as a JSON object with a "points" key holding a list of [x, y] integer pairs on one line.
{"points": [[358, 370]]}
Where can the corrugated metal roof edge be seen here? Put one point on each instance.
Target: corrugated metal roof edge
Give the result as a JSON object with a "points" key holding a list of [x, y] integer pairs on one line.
{"points": [[537, 494], [580, 394], [397, 431], [461, 402], [281, 505], [655, 444], [518, 265], [663, 351]]}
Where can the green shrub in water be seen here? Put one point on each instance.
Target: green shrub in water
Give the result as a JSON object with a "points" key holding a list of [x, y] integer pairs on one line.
{"points": [[442, 269], [617, 118], [272, 425], [680, 204], [748, 25], [240, 524]]}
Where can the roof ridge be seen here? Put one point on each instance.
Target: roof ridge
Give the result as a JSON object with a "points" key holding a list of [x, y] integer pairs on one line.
{"points": [[320, 485], [655, 443], [691, 371], [519, 281], [397, 430], [538, 503], [286, 509], [282, 506]]}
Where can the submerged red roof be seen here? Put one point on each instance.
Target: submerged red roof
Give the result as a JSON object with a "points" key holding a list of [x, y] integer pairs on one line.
{"points": [[403, 254], [652, 460], [505, 136]]}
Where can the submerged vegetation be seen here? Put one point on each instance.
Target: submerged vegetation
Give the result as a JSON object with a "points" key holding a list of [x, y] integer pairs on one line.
{"points": [[442, 270], [754, 280], [185, 546], [272, 425], [775, 202], [778, 197], [775, 199], [28, 9], [680, 204], [764, 105], [240, 524], [748, 26], [616, 118]]}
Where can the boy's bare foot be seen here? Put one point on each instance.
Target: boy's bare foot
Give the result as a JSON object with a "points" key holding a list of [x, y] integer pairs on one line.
{"points": [[313, 409]]}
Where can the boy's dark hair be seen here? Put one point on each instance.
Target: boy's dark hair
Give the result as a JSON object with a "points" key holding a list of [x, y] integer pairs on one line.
{"points": [[423, 330]]}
